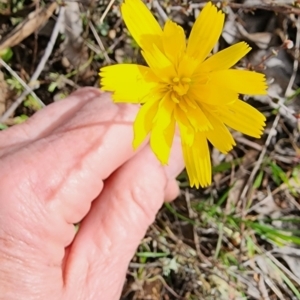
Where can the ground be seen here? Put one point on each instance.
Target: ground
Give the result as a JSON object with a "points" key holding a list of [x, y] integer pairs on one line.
{"points": [[238, 238]]}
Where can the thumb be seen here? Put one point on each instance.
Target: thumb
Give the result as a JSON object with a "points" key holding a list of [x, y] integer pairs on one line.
{"points": [[109, 235]]}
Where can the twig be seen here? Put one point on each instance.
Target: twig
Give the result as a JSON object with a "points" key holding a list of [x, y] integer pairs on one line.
{"points": [[15, 105], [247, 190], [193, 215], [50, 45], [170, 290], [268, 281], [38, 71], [263, 289], [94, 31], [160, 11], [284, 9], [106, 11], [276, 8], [296, 60], [245, 141], [20, 80], [259, 161], [282, 267], [117, 40]]}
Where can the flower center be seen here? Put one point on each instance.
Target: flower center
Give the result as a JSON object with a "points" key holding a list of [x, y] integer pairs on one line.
{"points": [[181, 85]]}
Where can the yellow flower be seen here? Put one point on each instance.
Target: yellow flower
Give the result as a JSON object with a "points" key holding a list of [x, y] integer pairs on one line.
{"points": [[183, 86]]}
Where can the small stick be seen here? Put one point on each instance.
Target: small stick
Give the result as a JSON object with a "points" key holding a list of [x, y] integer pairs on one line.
{"points": [[107, 59], [106, 11], [20, 80], [160, 11]]}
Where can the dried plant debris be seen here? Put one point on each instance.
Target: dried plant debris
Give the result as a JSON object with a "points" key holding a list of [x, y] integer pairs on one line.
{"points": [[32, 23], [4, 93], [238, 238]]}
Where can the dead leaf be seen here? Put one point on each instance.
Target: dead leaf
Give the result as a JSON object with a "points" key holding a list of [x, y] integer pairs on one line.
{"points": [[291, 257], [261, 39], [267, 268], [230, 33], [73, 47], [33, 22]]}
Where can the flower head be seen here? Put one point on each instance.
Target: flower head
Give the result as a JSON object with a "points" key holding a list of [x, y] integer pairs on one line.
{"points": [[184, 86]]}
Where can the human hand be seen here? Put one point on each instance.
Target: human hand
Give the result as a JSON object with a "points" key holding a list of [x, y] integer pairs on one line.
{"points": [[73, 162]]}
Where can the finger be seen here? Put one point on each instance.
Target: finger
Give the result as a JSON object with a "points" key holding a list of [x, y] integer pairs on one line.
{"points": [[61, 174], [46, 120], [174, 168], [171, 190], [118, 220]]}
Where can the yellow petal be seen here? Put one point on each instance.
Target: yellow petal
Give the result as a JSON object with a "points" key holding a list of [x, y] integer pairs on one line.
{"points": [[205, 32], [219, 136], [226, 58], [162, 133], [197, 160], [196, 116], [240, 81], [130, 83], [161, 141], [173, 40], [243, 117], [165, 112], [187, 66], [184, 125], [141, 23], [209, 94], [144, 122], [161, 66]]}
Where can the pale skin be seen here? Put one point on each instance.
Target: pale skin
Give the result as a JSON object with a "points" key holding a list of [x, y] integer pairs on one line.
{"points": [[73, 162]]}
